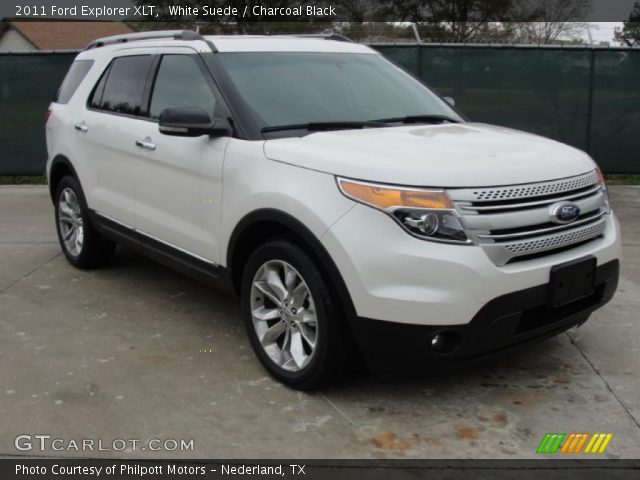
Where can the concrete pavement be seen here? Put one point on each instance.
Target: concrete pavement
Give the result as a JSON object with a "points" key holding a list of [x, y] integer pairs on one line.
{"points": [[136, 351]]}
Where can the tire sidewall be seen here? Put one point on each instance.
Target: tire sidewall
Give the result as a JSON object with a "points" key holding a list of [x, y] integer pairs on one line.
{"points": [[290, 253]]}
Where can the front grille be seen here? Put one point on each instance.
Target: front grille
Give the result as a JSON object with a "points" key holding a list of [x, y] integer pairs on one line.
{"points": [[514, 221], [554, 241], [535, 189]]}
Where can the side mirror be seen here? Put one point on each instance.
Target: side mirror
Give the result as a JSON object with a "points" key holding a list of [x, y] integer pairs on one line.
{"points": [[191, 122], [450, 101]]}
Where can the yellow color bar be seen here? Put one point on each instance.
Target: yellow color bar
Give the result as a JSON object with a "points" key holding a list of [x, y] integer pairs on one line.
{"points": [[591, 442], [605, 443]]}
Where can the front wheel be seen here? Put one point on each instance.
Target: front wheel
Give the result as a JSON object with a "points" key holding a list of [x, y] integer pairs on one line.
{"points": [[296, 328]]}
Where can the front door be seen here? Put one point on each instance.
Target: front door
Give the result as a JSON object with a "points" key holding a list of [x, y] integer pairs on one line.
{"points": [[179, 179]]}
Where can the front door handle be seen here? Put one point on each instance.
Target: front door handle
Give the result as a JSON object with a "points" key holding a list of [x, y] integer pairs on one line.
{"points": [[81, 127], [146, 143]]}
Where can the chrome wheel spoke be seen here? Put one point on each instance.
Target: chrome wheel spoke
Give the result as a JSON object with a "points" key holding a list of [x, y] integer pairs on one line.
{"points": [[290, 279], [68, 234], [299, 295], [266, 290], [308, 335], [296, 349], [264, 314], [275, 284], [272, 334]]}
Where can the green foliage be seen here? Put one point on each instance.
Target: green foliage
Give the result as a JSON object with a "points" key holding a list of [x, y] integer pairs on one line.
{"points": [[629, 34]]}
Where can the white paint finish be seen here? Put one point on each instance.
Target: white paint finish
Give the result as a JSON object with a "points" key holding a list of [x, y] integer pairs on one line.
{"points": [[395, 277], [252, 182], [450, 155], [179, 189], [390, 275], [238, 43]]}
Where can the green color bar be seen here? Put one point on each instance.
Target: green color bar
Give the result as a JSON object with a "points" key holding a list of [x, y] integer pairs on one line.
{"points": [[543, 444], [558, 442], [550, 443]]}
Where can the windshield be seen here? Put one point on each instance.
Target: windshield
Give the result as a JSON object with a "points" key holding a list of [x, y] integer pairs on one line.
{"points": [[286, 89]]}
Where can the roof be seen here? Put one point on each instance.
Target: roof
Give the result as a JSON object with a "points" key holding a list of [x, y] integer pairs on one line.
{"points": [[67, 35], [283, 43], [221, 43]]}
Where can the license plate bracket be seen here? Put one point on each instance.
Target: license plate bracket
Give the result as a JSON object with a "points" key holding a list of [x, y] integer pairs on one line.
{"points": [[572, 281]]}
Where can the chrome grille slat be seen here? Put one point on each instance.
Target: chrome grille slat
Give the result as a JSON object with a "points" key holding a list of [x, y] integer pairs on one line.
{"points": [[552, 241], [513, 206], [534, 216], [517, 222], [542, 231], [535, 189]]}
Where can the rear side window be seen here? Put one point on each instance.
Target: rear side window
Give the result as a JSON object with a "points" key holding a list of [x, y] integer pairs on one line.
{"points": [[121, 88], [73, 79], [180, 83]]}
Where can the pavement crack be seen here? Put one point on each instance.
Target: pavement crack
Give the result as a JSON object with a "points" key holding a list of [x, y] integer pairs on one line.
{"points": [[606, 384], [337, 409], [28, 274]]}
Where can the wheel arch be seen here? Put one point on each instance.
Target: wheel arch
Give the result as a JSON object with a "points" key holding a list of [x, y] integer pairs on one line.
{"points": [[60, 167], [261, 225]]}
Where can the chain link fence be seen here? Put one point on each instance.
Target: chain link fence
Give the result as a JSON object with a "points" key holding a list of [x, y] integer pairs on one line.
{"points": [[586, 97], [28, 83]]}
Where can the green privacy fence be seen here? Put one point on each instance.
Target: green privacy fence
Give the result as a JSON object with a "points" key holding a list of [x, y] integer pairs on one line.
{"points": [[587, 97], [28, 83]]}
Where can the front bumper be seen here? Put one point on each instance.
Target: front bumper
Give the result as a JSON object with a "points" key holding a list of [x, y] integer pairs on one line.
{"points": [[505, 322], [394, 277]]}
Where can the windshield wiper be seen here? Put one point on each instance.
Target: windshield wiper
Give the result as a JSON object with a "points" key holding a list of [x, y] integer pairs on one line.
{"points": [[419, 119], [321, 126]]}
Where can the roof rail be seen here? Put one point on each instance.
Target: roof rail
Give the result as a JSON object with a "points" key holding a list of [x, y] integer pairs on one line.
{"points": [[131, 37], [326, 36]]}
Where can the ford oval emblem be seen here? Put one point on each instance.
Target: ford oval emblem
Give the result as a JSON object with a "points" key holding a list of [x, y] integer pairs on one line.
{"points": [[565, 212]]}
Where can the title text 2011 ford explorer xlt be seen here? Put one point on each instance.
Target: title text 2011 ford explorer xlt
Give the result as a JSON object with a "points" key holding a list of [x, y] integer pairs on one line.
{"points": [[350, 207]]}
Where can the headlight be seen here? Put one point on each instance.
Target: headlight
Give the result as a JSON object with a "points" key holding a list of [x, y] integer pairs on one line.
{"points": [[603, 185], [427, 214]]}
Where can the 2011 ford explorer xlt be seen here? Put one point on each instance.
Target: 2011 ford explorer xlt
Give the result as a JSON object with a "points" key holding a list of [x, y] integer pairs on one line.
{"points": [[351, 208]]}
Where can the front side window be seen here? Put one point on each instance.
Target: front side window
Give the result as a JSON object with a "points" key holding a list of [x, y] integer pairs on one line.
{"points": [[121, 88], [180, 83], [295, 88]]}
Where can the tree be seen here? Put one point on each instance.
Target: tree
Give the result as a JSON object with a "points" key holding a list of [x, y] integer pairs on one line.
{"points": [[547, 21], [237, 24], [629, 34]]}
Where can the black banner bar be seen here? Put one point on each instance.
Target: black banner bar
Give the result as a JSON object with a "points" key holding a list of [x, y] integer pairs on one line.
{"points": [[64, 469], [420, 11]]}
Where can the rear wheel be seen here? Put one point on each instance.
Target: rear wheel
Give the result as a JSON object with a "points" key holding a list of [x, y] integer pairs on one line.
{"points": [[296, 328], [83, 246]]}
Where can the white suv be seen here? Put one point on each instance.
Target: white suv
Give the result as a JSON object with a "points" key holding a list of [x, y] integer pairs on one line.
{"points": [[352, 209]]}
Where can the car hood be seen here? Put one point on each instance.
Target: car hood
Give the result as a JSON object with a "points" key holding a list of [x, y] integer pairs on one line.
{"points": [[449, 155]]}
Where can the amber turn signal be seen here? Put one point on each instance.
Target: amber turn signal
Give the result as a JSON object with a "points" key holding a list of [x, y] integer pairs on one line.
{"points": [[384, 197]]}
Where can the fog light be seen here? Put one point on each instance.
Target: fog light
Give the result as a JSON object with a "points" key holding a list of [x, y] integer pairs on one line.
{"points": [[445, 342]]}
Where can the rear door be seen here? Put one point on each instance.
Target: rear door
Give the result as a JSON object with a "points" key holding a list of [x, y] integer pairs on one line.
{"points": [[108, 126], [179, 179]]}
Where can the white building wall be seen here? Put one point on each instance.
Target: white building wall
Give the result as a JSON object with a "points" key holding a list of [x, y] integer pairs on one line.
{"points": [[13, 41]]}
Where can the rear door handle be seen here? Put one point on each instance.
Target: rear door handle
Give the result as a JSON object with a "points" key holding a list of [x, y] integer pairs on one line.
{"points": [[146, 143], [81, 127]]}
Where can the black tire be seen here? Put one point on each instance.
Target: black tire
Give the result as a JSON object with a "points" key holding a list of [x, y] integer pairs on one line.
{"points": [[334, 348], [95, 251]]}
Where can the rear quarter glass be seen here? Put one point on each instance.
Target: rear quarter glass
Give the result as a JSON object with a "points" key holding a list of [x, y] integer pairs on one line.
{"points": [[73, 79]]}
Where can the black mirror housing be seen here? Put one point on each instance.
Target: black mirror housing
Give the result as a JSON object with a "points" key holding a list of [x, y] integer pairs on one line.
{"points": [[192, 122]]}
